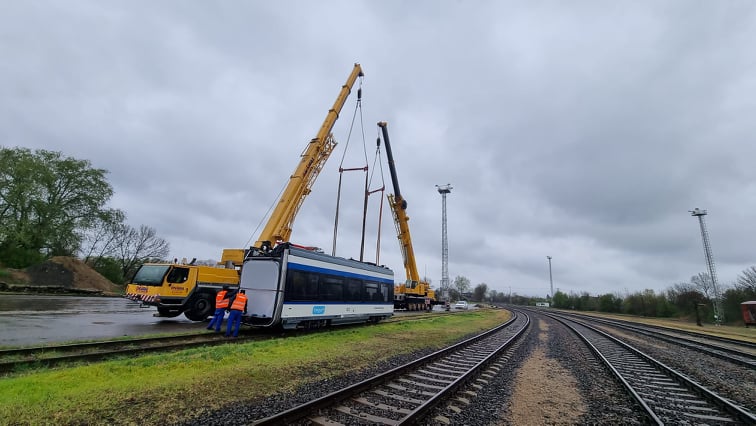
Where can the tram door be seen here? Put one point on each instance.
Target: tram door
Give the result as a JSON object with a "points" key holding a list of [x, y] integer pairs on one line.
{"points": [[260, 280]]}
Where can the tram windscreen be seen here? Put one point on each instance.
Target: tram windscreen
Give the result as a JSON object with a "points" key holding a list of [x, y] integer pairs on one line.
{"points": [[259, 279]]}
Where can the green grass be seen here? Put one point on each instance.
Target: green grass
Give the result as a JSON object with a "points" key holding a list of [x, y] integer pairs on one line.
{"points": [[167, 388]]}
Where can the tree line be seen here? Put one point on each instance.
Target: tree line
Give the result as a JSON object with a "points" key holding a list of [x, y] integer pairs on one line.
{"points": [[55, 205], [687, 299], [692, 300]]}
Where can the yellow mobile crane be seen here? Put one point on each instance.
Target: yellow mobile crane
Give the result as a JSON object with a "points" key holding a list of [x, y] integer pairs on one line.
{"points": [[180, 287], [176, 288], [414, 294]]}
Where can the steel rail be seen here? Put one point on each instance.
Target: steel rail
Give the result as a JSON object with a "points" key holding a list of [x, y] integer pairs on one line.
{"points": [[424, 406], [632, 355], [98, 355], [738, 343]]}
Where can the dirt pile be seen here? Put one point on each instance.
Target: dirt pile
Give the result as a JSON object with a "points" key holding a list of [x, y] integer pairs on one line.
{"points": [[61, 274]]}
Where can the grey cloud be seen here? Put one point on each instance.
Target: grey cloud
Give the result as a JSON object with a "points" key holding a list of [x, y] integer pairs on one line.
{"points": [[584, 131]]}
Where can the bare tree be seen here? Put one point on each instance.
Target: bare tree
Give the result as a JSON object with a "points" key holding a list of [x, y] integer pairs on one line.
{"points": [[136, 246], [683, 287], [747, 280], [99, 241], [702, 283], [462, 284]]}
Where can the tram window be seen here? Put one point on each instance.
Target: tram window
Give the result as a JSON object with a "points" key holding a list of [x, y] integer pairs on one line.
{"points": [[301, 286], [353, 290], [312, 287], [388, 292], [295, 285], [331, 289], [372, 292]]}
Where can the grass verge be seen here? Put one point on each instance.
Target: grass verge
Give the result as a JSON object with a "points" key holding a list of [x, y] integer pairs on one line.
{"points": [[168, 388]]}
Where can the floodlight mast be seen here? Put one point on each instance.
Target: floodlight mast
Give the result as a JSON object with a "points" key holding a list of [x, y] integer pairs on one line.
{"points": [[551, 281], [716, 303], [444, 190]]}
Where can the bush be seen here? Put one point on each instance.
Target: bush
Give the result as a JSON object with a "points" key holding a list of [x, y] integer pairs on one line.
{"points": [[19, 258], [109, 268]]}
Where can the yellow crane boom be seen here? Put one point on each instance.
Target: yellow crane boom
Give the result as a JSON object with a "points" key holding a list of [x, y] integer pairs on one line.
{"points": [[313, 158], [414, 294], [405, 240]]}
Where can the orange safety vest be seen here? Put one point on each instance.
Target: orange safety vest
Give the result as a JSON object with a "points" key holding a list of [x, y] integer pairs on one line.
{"points": [[220, 300], [239, 303]]}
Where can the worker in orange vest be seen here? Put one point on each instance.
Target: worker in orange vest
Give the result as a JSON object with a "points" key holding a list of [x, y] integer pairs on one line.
{"points": [[221, 304], [238, 306]]}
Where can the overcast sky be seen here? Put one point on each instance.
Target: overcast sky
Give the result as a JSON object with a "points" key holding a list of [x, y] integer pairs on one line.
{"points": [[581, 130]]}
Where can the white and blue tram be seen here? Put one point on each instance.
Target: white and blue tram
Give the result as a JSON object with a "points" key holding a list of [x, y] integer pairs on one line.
{"points": [[292, 287]]}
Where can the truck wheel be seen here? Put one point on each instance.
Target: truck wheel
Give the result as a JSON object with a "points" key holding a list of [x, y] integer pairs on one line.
{"points": [[168, 313], [200, 308]]}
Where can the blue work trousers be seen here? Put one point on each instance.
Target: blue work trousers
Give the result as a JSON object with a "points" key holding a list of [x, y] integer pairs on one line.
{"points": [[234, 321], [217, 319]]}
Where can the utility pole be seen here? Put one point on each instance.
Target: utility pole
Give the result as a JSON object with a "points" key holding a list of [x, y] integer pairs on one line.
{"points": [[551, 282], [443, 190], [716, 303]]}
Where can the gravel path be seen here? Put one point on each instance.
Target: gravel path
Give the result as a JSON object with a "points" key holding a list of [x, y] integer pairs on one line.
{"points": [[544, 388], [551, 378]]}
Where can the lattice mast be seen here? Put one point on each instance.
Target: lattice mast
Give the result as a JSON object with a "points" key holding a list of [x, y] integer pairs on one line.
{"points": [[444, 190], [718, 312], [551, 281]]}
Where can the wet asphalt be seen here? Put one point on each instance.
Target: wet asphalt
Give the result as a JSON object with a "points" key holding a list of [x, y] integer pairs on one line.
{"points": [[28, 320]]}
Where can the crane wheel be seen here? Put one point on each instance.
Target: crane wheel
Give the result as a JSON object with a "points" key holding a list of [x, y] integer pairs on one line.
{"points": [[200, 307]]}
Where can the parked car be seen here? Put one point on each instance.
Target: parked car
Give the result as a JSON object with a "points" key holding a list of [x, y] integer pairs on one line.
{"points": [[460, 305]]}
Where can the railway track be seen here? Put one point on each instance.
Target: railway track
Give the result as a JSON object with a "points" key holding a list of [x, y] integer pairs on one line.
{"points": [[735, 351], [48, 356], [667, 396], [408, 393]]}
